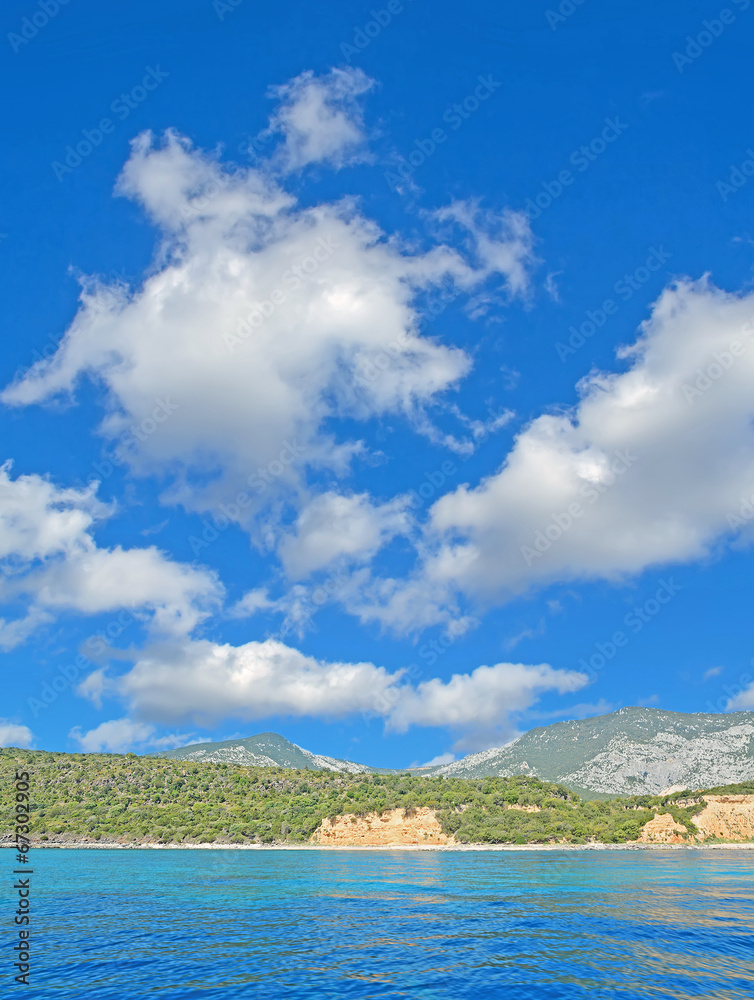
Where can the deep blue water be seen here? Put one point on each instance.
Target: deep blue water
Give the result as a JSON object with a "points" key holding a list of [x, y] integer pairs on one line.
{"points": [[221, 925]]}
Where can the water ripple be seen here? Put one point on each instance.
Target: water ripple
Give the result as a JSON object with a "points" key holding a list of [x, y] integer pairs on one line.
{"points": [[232, 925]]}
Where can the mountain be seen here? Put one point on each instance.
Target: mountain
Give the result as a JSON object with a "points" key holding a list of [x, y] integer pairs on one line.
{"points": [[633, 751], [264, 750]]}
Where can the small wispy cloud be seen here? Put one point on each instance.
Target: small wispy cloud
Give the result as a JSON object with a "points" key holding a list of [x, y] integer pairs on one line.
{"points": [[712, 672], [527, 633]]}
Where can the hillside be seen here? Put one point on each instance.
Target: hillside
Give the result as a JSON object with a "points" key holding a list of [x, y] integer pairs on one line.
{"points": [[112, 799], [263, 750], [629, 752]]}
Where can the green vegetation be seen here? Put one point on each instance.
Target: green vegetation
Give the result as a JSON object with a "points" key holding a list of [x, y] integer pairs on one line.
{"points": [[132, 799]]}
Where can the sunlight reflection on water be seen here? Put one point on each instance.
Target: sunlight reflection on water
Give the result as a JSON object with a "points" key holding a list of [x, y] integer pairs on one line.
{"points": [[223, 925]]}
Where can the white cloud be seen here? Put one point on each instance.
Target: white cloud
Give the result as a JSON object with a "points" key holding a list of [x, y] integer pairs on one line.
{"points": [[120, 735], [743, 701], [14, 735], [502, 244], [408, 604], [659, 461], [251, 602], [443, 758], [206, 682], [321, 119], [14, 633], [712, 672], [479, 705], [179, 596], [333, 526], [202, 682], [260, 323], [527, 633], [50, 562], [38, 519]]}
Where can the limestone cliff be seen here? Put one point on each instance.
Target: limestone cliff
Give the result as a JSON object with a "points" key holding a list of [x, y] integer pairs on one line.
{"points": [[393, 828]]}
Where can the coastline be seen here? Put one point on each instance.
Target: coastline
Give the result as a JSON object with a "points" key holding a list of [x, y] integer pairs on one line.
{"points": [[445, 848]]}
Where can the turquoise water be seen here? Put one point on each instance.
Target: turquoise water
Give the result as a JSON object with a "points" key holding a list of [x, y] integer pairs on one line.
{"points": [[221, 925]]}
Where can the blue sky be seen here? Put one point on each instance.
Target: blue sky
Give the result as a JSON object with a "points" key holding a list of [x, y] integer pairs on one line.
{"points": [[383, 379]]}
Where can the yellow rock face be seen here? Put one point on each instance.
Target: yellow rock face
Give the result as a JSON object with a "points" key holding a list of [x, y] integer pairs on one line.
{"points": [[391, 829], [663, 829], [730, 817], [727, 817]]}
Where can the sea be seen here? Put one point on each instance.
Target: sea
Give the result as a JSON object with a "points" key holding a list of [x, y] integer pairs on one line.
{"points": [[358, 924]]}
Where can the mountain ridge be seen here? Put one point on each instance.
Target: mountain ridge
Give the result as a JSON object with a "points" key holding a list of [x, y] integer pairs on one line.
{"points": [[631, 751], [264, 750]]}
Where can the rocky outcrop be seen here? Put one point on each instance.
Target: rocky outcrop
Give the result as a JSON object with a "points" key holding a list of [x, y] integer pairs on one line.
{"points": [[727, 817], [724, 817], [663, 829], [392, 828]]}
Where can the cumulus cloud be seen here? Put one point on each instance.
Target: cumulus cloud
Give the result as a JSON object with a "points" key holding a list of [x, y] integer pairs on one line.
{"points": [[321, 119], [14, 735], [202, 682], [260, 324], [443, 758], [479, 705], [205, 682], [39, 520], [743, 701], [654, 466], [50, 562], [120, 735], [252, 602], [333, 527]]}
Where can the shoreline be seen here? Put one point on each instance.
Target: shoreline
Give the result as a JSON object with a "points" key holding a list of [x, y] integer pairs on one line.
{"points": [[445, 848]]}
